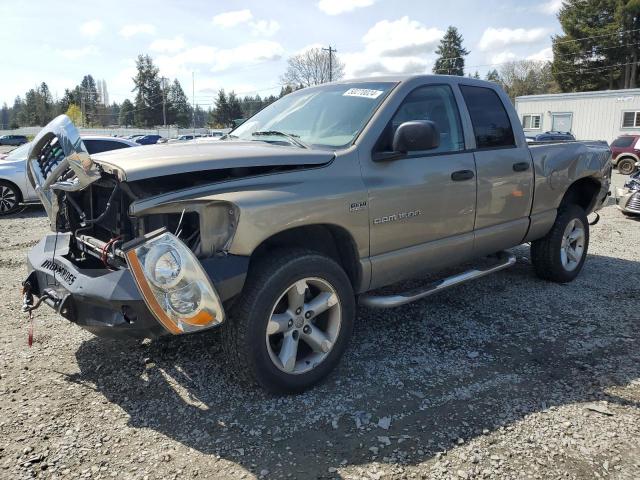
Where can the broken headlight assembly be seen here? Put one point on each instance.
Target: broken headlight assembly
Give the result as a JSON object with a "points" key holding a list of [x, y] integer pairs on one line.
{"points": [[174, 285]]}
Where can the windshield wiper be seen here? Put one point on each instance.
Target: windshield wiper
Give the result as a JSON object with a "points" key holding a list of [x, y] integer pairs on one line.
{"points": [[289, 136]]}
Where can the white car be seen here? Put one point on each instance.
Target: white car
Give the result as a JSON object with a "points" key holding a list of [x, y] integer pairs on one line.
{"points": [[15, 188], [182, 138]]}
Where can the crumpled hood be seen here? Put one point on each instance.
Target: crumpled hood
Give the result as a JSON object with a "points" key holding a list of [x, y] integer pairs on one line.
{"points": [[172, 159]]}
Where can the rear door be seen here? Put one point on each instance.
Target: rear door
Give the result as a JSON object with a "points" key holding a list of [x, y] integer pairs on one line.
{"points": [[504, 173]]}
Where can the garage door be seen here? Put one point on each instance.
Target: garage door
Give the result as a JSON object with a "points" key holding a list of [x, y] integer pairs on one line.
{"points": [[561, 122]]}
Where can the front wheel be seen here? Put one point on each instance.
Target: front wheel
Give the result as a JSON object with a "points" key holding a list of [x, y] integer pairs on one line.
{"points": [[292, 323], [560, 255]]}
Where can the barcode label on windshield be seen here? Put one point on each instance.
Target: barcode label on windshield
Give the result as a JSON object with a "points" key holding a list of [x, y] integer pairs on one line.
{"points": [[362, 92]]}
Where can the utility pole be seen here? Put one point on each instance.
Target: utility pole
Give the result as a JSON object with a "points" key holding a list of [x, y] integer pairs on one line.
{"points": [[82, 106], [163, 80], [331, 52], [193, 101]]}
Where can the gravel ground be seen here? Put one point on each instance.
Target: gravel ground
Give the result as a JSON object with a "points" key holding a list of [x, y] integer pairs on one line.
{"points": [[507, 377], [6, 148]]}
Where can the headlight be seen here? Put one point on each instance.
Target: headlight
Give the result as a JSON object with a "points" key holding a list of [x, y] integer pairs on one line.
{"points": [[174, 286], [163, 266]]}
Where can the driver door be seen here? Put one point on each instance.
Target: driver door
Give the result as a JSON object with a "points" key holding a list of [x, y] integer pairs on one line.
{"points": [[422, 206]]}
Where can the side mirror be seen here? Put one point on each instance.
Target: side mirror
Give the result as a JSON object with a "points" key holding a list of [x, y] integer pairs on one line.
{"points": [[416, 136]]}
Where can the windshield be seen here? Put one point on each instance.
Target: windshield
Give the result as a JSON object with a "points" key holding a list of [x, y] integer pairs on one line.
{"points": [[327, 116], [19, 153]]}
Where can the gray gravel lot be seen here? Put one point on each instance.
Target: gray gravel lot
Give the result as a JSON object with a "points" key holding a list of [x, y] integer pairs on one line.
{"points": [[507, 377], [6, 148]]}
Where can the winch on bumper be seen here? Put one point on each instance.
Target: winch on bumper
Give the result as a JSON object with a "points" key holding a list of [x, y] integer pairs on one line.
{"points": [[116, 303]]}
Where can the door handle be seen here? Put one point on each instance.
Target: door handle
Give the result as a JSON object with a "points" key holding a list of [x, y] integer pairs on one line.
{"points": [[521, 167], [462, 175]]}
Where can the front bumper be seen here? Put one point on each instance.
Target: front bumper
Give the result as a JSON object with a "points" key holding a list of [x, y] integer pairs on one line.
{"points": [[628, 200], [108, 303]]}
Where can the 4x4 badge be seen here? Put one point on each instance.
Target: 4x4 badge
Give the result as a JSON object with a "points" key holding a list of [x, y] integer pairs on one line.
{"points": [[356, 206]]}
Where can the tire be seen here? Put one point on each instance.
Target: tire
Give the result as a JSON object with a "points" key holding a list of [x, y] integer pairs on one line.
{"points": [[265, 327], [551, 259], [10, 198], [626, 166]]}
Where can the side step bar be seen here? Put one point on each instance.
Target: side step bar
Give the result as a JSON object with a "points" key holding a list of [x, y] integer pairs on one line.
{"points": [[505, 260]]}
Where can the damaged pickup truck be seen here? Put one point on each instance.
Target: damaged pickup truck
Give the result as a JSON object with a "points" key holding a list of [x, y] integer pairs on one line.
{"points": [[276, 231]]}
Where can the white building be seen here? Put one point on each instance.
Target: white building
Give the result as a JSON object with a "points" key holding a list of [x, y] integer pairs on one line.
{"points": [[602, 115]]}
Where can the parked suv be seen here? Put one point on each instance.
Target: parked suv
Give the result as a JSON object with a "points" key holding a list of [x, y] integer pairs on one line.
{"points": [[625, 151], [13, 140], [314, 203], [551, 137]]}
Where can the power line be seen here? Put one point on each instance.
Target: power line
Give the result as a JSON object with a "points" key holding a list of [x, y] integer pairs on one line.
{"points": [[563, 42]]}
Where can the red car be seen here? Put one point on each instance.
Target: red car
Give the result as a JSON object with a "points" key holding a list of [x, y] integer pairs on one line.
{"points": [[625, 153]]}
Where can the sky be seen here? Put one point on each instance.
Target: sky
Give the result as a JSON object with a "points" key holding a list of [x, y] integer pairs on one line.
{"points": [[244, 45]]}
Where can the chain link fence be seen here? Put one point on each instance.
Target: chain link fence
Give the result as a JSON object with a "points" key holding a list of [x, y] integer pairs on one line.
{"points": [[168, 132]]}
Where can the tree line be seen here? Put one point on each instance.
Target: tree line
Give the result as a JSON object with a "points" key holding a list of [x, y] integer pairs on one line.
{"points": [[156, 101]]}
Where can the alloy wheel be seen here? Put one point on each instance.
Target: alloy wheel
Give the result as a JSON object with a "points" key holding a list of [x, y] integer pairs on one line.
{"points": [[8, 199], [572, 247], [304, 325]]}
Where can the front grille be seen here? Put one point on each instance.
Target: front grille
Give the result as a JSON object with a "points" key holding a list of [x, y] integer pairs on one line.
{"points": [[634, 202], [50, 157]]}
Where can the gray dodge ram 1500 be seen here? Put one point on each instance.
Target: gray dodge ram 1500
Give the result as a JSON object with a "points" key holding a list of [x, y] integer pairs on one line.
{"points": [[275, 231]]}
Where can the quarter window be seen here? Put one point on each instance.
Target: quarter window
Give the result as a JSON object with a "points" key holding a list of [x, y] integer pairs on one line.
{"points": [[631, 120], [435, 103], [531, 122], [491, 124]]}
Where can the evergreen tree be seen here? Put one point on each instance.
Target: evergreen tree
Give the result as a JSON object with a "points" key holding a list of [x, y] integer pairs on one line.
{"points": [[126, 117], [115, 114], [178, 108], [200, 117], [451, 54], [235, 110], [29, 114], [16, 115], [88, 94], [599, 45], [44, 107], [4, 117], [493, 76], [68, 98], [148, 101], [285, 90], [221, 114]]}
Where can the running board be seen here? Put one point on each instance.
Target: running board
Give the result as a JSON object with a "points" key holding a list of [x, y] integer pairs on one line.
{"points": [[505, 260]]}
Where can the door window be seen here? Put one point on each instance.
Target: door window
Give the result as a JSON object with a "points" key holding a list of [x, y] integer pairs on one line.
{"points": [[435, 103], [491, 124]]}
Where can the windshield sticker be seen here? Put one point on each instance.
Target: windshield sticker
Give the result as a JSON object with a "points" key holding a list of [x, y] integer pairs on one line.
{"points": [[362, 92]]}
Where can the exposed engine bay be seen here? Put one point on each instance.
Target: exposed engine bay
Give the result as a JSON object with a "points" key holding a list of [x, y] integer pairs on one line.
{"points": [[91, 197]]}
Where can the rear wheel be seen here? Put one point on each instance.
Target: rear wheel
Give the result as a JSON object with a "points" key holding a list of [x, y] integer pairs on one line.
{"points": [[560, 255], [9, 198], [626, 166], [293, 322]]}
